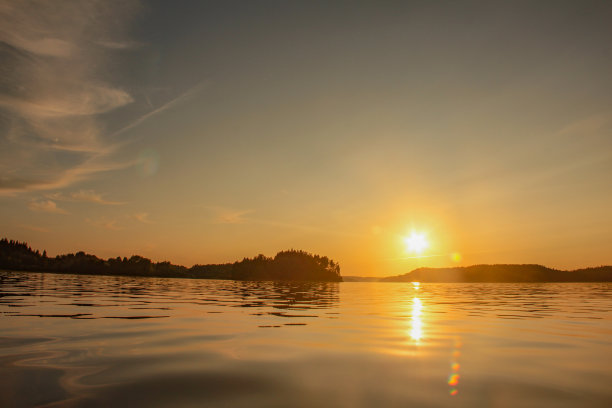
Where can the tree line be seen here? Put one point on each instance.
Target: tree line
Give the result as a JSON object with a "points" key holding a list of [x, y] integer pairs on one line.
{"points": [[286, 265]]}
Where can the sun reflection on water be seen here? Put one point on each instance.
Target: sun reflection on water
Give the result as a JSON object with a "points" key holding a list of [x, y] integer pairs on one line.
{"points": [[416, 331]]}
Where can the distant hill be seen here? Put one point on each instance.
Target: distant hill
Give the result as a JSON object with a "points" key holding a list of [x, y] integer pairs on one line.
{"points": [[290, 265], [504, 273]]}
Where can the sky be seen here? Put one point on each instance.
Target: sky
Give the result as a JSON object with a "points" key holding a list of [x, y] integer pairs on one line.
{"points": [[205, 132]]}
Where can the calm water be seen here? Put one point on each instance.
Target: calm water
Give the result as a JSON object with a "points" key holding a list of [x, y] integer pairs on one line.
{"points": [[112, 341]]}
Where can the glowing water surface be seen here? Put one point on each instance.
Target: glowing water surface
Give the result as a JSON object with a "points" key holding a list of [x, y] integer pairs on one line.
{"points": [[70, 340]]}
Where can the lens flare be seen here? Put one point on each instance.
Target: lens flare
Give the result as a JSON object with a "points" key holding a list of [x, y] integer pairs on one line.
{"points": [[453, 378]]}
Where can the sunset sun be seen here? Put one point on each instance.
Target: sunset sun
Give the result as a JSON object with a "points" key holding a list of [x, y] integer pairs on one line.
{"points": [[416, 243]]}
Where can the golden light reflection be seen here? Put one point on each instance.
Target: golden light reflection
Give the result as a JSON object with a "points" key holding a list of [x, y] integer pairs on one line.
{"points": [[416, 332]]}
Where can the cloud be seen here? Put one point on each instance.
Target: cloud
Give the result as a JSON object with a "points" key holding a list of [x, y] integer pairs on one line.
{"points": [[223, 215], [308, 228], [120, 224], [142, 217], [119, 45], [156, 111], [78, 99], [13, 185], [34, 228], [46, 206], [92, 197], [111, 225], [62, 108], [56, 82], [44, 46], [588, 125], [89, 196]]}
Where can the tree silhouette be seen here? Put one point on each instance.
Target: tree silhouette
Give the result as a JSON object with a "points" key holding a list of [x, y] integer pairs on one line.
{"points": [[286, 265]]}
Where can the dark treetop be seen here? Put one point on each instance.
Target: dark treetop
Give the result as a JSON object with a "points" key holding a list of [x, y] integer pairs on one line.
{"points": [[286, 265]]}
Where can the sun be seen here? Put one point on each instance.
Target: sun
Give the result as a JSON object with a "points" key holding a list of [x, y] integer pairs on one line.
{"points": [[416, 243]]}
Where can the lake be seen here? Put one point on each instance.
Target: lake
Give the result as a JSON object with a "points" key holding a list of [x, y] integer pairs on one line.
{"points": [[88, 341]]}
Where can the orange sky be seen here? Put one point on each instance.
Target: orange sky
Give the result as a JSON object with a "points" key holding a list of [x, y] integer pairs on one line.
{"points": [[206, 133]]}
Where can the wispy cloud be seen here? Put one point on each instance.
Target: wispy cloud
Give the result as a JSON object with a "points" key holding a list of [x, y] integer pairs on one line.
{"points": [[121, 222], [587, 125], [222, 215], [233, 217], [89, 196], [156, 111], [11, 184], [54, 87], [119, 45], [78, 100], [34, 228], [47, 206], [307, 228], [112, 225], [59, 93], [142, 217]]}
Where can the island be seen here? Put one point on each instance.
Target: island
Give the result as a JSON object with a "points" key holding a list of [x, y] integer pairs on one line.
{"points": [[290, 265]]}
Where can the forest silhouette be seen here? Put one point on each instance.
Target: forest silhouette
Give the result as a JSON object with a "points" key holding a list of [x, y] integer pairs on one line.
{"points": [[293, 265]]}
